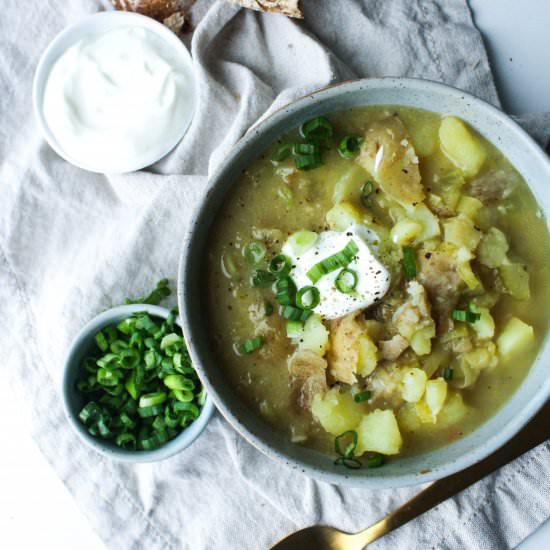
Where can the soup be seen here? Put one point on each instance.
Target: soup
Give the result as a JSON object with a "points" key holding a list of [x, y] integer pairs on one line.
{"points": [[377, 283]]}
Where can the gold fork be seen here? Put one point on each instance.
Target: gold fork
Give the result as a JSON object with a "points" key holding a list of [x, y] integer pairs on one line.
{"points": [[319, 537]]}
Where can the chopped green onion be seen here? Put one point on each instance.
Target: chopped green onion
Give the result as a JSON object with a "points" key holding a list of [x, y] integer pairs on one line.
{"points": [[318, 128], [146, 412], [292, 313], [280, 265], [334, 262], [248, 346], [152, 399], [282, 153], [122, 376], [108, 377], [261, 278], [129, 358], [101, 341], [178, 382], [308, 297], [308, 162], [285, 291], [346, 281], [350, 447], [155, 440], [349, 146], [89, 412], [351, 463], [306, 149], [254, 253], [363, 396], [409, 263], [183, 396], [448, 374], [294, 329], [155, 297], [366, 192], [301, 241], [466, 316], [126, 441], [375, 461], [268, 309]]}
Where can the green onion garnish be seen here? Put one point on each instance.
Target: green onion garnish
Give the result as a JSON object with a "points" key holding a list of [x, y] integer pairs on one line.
{"points": [[351, 437], [363, 396], [268, 309], [292, 313], [254, 253], [318, 128], [346, 281], [285, 291], [155, 297], [307, 162], [448, 374], [409, 263], [280, 265], [366, 192], [351, 463], [375, 461], [465, 316], [261, 278], [349, 146], [306, 149], [308, 297], [132, 385], [282, 153], [294, 328], [248, 346], [332, 263]]}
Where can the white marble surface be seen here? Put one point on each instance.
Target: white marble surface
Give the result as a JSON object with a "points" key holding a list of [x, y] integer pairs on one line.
{"points": [[36, 511]]}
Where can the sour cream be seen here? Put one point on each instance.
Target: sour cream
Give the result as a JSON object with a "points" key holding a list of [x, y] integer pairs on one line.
{"points": [[119, 100], [373, 279]]}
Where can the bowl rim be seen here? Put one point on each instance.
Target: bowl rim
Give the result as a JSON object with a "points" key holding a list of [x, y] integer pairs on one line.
{"points": [[190, 330], [82, 339], [122, 19]]}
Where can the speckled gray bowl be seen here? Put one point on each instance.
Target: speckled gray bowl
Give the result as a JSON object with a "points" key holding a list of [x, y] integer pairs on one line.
{"points": [[73, 401], [518, 147]]}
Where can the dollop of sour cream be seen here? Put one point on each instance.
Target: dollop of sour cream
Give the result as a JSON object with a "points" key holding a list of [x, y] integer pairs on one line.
{"points": [[373, 279], [117, 99]]}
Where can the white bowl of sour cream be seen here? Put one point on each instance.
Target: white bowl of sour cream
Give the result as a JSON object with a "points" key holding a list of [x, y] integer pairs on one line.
{"points": [[115, 92]]}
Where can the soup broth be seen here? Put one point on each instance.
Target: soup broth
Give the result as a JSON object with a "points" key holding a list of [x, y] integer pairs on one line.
{"points": [[430, 205]]}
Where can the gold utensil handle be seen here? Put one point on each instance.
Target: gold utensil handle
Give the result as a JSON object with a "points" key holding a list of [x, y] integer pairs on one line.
{"points": [[533, 434]]}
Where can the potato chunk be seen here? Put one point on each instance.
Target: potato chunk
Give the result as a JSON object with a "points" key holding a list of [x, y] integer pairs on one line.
{"points": [[460, 232], [313, 336], [516, 280], [336, 411], [405, 231], [413, 319], [460, 145], [342, 215], [388, 155], [493, 248], [378, 432], [414, 384], [516, 337], [368, 356], [485, 326], [436, 393]]}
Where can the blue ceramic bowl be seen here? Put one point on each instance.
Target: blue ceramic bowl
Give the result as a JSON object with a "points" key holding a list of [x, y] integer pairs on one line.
{"points": [[73, 400]]}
